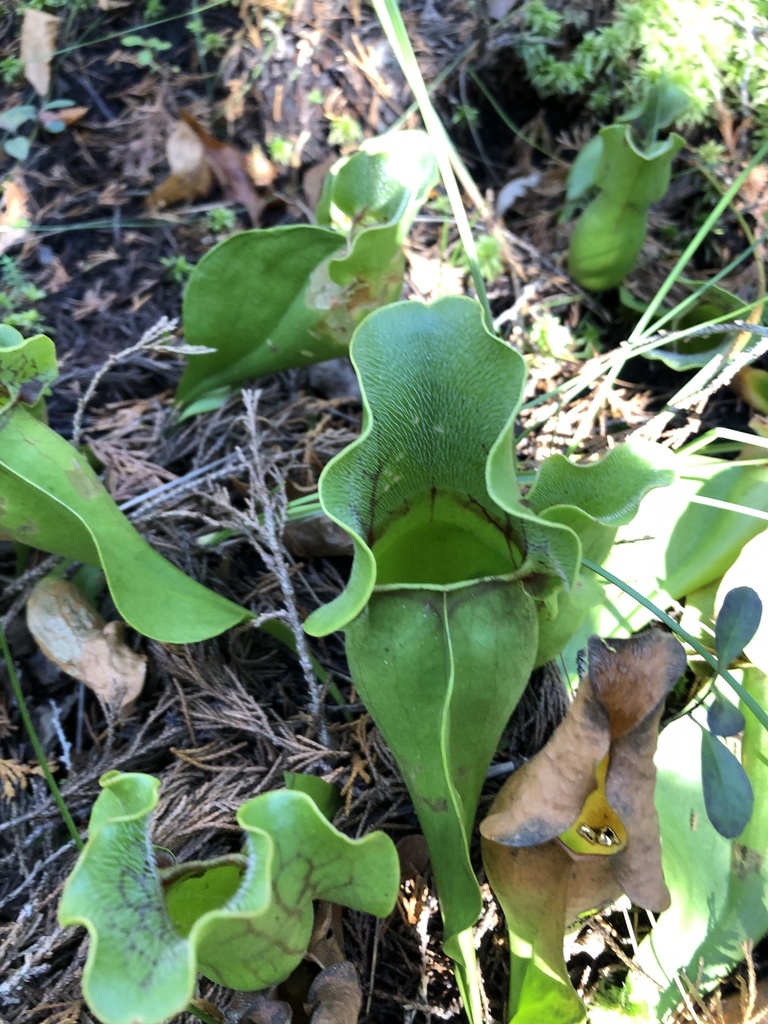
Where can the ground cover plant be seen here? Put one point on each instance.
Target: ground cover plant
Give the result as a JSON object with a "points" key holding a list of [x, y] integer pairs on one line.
{"points": [[485, 499]]}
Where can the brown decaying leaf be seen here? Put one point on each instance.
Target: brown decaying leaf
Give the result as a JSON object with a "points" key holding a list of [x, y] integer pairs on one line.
{"points": [[196, 158], [67, 115], [13, 214], [617, 710], [316, 537], [76, 638], [335, 996], [261, 170], [541, 885], [14, 776], [191, 178], [326, 943], [313, 180], [264, 1010], [38, 41]]}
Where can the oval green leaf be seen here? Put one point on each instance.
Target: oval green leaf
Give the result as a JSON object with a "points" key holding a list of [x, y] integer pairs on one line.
{"points": [[727, 790], [737, 622], [724, 718]]}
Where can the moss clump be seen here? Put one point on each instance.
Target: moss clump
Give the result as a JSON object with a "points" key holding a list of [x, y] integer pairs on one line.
{"points": [[713, 49]]}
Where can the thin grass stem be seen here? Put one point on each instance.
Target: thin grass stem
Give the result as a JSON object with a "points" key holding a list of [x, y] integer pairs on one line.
{"points": [[747, 699], [37, 746], [392, 22]]}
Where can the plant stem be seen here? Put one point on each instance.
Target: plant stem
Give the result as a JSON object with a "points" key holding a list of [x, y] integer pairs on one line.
{"points": [[36, 744]]}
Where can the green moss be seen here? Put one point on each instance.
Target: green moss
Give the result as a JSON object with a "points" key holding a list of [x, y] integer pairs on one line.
{"points": [[711, 48]]}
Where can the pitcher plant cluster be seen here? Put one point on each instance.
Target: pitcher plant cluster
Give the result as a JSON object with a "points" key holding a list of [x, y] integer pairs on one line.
{"points": [[462, 582]]}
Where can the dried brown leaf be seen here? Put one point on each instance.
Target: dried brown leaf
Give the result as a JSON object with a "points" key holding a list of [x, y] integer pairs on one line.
{"points": [[316, 537], [543, 798], [38, 42], [261, 170], [334, 996], [264, 1010], [67, 115], [326, 943], [576, 826], [229, 166], [191, 178], [14, 215], [196, 159], [14, 776], [75, 637], [631, 678], [617, 710], [314, 177]]}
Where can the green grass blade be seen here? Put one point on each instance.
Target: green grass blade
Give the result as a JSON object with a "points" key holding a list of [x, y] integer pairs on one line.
{"points": [[694, 244], [36, 744], [392, 22]]}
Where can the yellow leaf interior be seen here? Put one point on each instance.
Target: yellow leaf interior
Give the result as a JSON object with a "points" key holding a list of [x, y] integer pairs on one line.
{"points": [[598, 829]]}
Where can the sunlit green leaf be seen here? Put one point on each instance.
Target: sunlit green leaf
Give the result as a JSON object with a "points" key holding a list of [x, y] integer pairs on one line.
{"points": [[325, 794], [456, 578], [609, 235], [27, 368], [267, 300]]}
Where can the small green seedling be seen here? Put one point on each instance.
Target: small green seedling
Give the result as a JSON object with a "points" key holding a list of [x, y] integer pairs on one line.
{"points": [[149, 48], [243, 921], [631, 168], [177, 268], [280, 150], [17, 144], [18, 296]]}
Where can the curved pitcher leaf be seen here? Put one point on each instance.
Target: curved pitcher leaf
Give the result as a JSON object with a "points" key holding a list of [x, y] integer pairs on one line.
{"points": [[371, 197], [455, 574], [609, 235], [242, 920], [116, 892], [440, 671], [576, 826], [27, 368], [248, 298], [267, 300], [50, 498], [440, 395]]}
